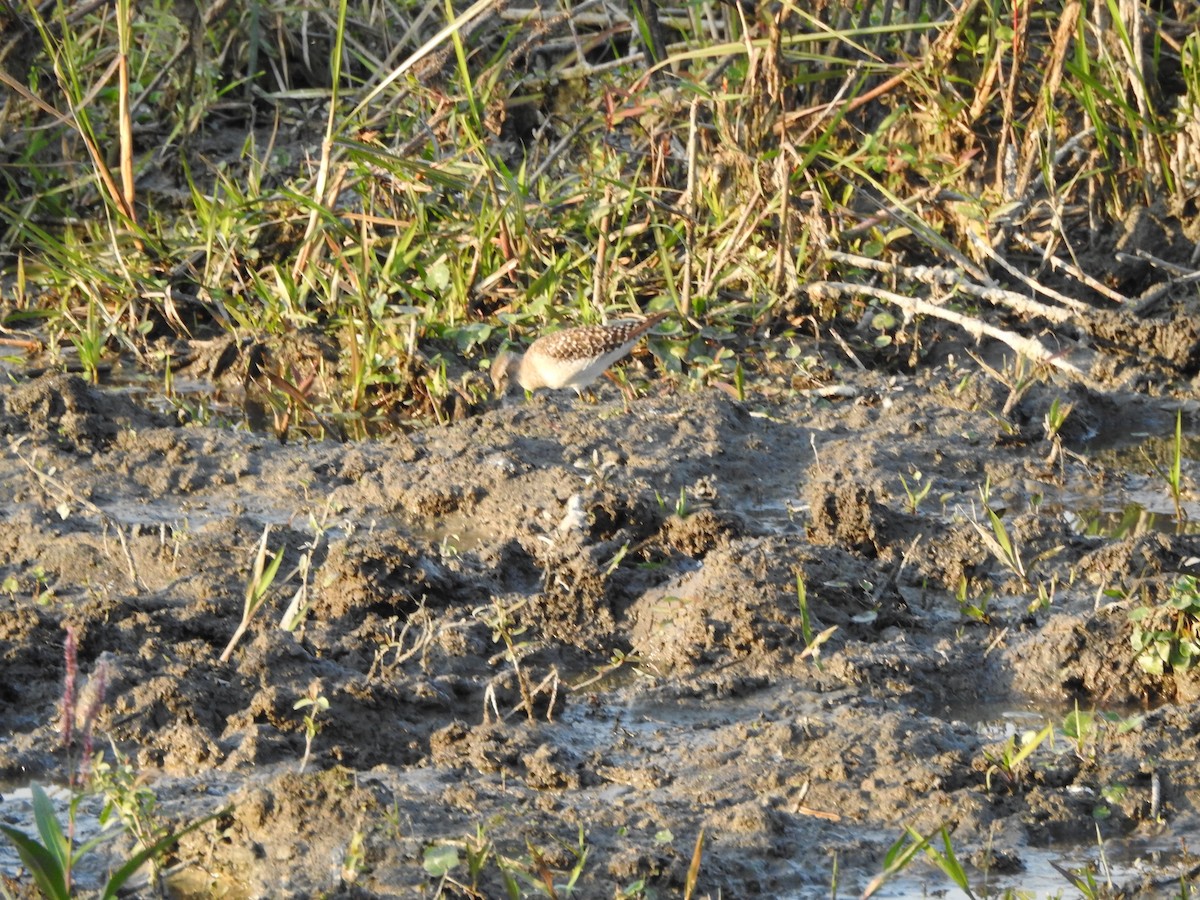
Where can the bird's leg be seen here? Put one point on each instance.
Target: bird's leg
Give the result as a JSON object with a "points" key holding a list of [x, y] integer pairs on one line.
{"points": [[628, 391]]}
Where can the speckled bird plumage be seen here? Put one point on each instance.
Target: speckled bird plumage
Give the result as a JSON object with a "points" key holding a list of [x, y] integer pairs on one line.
{"points": [[574, 357]]}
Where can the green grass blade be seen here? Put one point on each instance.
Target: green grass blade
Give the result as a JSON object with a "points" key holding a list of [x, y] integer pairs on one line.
{"points": [[47, 825], [127, 871], [41, 863]]}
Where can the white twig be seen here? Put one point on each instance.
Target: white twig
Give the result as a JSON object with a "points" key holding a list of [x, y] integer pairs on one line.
{"points": [[975, 327], [986, 248], [1071, 269], [936, 275]]}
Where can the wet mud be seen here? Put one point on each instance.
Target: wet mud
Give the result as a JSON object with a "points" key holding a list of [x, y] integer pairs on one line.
{"points": [[566, 638]]}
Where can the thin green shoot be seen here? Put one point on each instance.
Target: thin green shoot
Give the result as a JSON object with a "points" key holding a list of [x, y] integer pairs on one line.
{"points": [[316, 703], [1172, 473], [812, 642], [1000, 544], [917, 492], [682, 510], [906, 849], [1175, 473], [262, 576], [693, 872], [1010, 760], [1052, 424]]}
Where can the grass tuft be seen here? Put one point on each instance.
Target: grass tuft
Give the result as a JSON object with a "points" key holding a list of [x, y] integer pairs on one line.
{"points": [[415, 184]]}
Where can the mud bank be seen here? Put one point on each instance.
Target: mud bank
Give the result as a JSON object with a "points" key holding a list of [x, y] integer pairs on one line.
{"points": [[564, 639]]}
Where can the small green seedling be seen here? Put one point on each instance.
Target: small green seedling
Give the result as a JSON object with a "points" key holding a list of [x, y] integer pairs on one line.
{"points": [[1172, 473], [261, 578], [902, 853], [917, 492], [1009, 762], [812, 643], [974, 608], [316, 703], [1056, 417], [1166, 637]]}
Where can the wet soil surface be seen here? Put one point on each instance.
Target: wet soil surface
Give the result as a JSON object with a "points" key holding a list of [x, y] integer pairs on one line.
{"points": [[563, 639]]}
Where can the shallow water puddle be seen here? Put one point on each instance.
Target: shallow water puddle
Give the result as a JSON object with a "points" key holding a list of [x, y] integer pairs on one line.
{"points": [[996, 720], [1125, 490], [451, 534], [1135, 506], [1111, 866], [1139, 424], [777, 517], [16, 810], [1131, 520], [195, 883], [174, 518]]}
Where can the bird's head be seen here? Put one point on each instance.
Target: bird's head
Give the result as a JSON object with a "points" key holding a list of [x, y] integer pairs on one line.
{"points": [[504, 371]]}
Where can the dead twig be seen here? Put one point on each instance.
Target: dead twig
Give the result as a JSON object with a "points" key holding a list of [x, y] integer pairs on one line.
{"points": [[948, 278], [827, 290], [1061, 265]]}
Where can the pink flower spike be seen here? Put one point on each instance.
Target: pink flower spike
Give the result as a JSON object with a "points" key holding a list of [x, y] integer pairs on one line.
{"points": [[70, 653], [97, 685]]}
